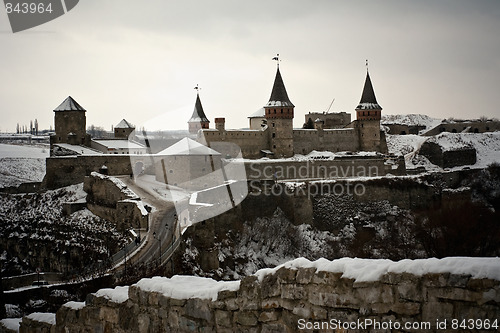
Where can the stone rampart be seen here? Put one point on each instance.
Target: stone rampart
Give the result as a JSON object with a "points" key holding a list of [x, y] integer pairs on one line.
{"points": [[109, 198], [302, 295]]}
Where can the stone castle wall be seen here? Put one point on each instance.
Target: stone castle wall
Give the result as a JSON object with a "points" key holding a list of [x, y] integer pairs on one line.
{"points": [[110, 199], [301, 296], [468, 126], [334, 140]]}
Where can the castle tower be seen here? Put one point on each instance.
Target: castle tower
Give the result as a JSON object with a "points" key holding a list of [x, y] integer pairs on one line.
{"points": [[368, 113], [279, 116], [123, 129], [198, 120], [70, 124]]}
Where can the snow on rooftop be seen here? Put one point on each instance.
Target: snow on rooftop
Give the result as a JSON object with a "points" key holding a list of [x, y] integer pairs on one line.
{"points": [[187, 146], [364, 270], [49, 318], [186, 287], [368, 106], [121, 185], [279, 103], [124, 124], [120, 144], [69, 104], [116, 295], [80, 150], [258, 114]]}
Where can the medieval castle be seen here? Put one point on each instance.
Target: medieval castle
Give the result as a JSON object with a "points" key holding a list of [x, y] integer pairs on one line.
{"points": [[271, 132]]}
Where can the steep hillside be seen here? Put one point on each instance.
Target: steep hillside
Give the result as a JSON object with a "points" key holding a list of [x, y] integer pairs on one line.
{"points": [[35, 233]]}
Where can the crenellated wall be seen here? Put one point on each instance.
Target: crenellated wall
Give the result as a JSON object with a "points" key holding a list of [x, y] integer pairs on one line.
{"points": [[300, 294]]}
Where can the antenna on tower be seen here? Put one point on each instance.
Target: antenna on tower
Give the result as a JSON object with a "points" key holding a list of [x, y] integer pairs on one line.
{"points": [[197, 88], [366, 64]]}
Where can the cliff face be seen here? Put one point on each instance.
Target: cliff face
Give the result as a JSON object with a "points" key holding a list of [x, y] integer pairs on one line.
{"points": [[447, 214], [420, 294]]}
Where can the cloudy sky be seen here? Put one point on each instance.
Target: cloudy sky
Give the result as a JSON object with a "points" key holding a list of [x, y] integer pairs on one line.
{"points": [[140, 60]]}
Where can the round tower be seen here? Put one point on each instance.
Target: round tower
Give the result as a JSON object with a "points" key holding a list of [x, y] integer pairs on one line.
{"points": [[279, 115]]}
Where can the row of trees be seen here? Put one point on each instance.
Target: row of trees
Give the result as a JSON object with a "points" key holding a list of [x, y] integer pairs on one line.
{"points": [[31, 129]]}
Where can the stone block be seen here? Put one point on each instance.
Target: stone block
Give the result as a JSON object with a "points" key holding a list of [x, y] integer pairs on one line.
{"points": [[286, 275], [177, 302], [108, 314], [153, 298], [302, 311], [481, 284], [226, 294], [275, 328], [198, 308], [246, 318], [451, 293], [271, 303], [328, 278], [232, 304], [318, 313], [223, 318], [459, 281], [410, 291], [143, 322], [406, 308], [292, 291], [267, 316], [377, 293], [305, 275], [432, 311], [270, 286], [133, 294]]}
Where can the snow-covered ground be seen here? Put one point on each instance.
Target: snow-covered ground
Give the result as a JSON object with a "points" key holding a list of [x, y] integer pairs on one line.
{"points": [[487, 147], [411, 120], [22, 163]]}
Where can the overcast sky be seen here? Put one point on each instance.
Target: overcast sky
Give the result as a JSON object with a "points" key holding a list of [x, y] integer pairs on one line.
{"points": [[140, 60]]}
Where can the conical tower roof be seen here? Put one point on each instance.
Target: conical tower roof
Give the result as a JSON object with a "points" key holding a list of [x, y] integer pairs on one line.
{"points": [[279, 97], [198, 113], [69, 104], [368, 100]]}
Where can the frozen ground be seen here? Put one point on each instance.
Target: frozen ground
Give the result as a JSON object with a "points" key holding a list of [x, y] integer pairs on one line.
{"points": [[22, 163]]}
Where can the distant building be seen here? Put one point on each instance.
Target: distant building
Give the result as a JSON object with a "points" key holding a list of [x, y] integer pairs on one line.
{"points": [[70, 124], [70, 137], [123, 129], [271, 132]]}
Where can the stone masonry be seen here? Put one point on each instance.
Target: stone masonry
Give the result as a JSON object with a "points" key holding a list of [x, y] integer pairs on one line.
{"points": [[285, 299]]}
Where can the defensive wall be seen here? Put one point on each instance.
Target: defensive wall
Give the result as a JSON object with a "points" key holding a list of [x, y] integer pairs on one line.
{"points": [[357, 295], [465, 126], [110, 199]]}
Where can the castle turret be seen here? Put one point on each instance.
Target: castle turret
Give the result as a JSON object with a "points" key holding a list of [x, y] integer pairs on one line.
{"points": [[368, 114], [279, 115], [123, 129], [70, 124], [198, 120]]}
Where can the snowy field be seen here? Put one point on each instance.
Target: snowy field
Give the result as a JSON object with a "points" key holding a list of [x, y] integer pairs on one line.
{"points": [[487, 147], [22, 163]]}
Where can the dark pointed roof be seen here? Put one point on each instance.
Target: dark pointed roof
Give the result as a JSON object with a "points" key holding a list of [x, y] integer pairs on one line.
{"points": [[279, 97], [69, 104], [124, 124], [368, 100], [198, 113]]}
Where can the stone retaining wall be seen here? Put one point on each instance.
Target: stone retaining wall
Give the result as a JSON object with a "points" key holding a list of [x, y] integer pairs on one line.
{"points": [[290, 298]]}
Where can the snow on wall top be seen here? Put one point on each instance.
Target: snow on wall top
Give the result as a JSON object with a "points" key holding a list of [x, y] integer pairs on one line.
{"points": [[187, 146], [49, 318], [120, 144], [185, 287], [119, 184], [116, 295], [364, 270]]}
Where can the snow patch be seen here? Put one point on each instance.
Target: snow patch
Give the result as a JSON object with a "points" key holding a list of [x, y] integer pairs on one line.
{"points": [[186, 287], [364, 270], [116, 295], [49, 318]]}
